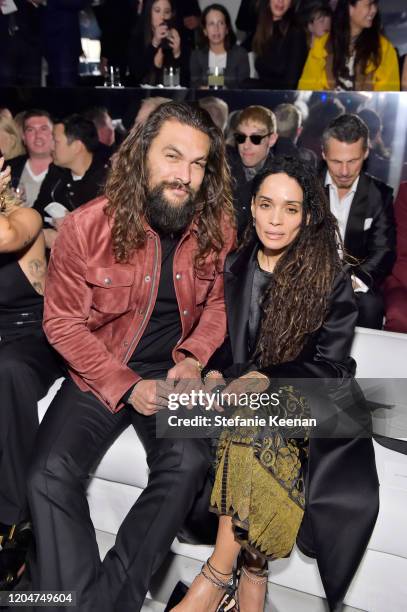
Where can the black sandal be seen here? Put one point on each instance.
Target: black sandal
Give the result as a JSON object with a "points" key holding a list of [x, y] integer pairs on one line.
{"points": [[257, 576], [13, 555]]}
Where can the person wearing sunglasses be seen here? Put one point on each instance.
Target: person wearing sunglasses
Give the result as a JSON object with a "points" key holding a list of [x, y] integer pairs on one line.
{"points": [[255, 136]]}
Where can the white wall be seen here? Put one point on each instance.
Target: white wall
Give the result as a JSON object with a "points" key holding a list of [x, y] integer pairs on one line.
{"points": [[231, 5]]}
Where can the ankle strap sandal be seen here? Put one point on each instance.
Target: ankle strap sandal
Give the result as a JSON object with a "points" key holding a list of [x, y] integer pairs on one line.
{"points": [[210, 573]]}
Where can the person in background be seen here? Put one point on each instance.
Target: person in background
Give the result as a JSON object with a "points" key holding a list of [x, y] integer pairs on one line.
{"points": [[99, 115], [218, 49], [289, 127], [6, 112], [354, 56], [61, 39], [280, 46], [147, 106], [317, 19], [363, 207], [11, 144], [20, 45], [76, 176], [29, 366], [246, 20], [218, 110], [116, 22], [378, 162], [255, 137], [395, 285], [28, 171], [320, 115], [155, 44]]}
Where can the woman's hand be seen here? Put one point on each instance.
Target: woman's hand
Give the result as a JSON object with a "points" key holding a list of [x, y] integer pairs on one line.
{"points": [[252, 382], [160, 32], [174, 41]]}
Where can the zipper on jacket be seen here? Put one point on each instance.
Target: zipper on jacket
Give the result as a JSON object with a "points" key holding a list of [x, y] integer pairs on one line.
{"points": [[146, 314]]}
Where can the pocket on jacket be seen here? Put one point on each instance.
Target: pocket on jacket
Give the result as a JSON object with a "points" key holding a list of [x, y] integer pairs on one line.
{"points": [[204, 281], [111, 288]]}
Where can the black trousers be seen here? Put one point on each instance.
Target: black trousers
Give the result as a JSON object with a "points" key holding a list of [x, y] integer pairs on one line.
{"points": [[75, 433], [371, 309], [28, 367]]}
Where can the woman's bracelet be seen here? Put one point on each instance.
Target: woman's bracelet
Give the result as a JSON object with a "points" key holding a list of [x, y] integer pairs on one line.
{"points": [[208, 375]]}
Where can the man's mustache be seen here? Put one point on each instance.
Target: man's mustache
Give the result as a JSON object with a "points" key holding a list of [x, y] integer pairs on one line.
{"points": [[178, 184]]}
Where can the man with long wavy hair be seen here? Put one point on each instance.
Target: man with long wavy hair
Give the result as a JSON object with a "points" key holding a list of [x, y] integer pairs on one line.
{"points": [[134, 294]]}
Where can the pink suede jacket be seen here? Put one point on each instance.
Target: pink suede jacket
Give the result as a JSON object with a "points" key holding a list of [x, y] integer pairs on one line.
{"points": [[96, 309]]}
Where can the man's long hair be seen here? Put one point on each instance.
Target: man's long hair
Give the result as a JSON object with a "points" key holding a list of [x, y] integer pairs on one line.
{"points": [[127, 185], [367, 45], [295, 303]]}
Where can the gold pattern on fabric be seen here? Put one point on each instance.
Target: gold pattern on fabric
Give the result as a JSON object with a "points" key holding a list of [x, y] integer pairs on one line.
{"points": [[259, 481]]}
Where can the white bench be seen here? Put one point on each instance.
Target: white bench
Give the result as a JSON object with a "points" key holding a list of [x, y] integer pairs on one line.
{"points": [[380, 583]]}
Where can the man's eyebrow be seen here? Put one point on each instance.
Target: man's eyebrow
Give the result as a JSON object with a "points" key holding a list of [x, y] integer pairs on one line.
{"points": [[173, 148]]}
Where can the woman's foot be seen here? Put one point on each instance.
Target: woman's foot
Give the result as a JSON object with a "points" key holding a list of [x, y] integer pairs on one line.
{"points": [[251, 593], [207, 590]]}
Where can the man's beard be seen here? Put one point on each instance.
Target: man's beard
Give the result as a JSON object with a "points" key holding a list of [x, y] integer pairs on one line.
{"points": [[165, 217]]}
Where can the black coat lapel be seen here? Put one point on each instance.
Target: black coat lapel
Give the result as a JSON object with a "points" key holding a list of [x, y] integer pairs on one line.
{"points": [[239, 272], [358, 212]]}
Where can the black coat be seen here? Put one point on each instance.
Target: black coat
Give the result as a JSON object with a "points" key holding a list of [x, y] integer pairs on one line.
{"points": [[237, 67], [58, 186], [281, 64], [374, 246], [342, 498], [17, 166]]}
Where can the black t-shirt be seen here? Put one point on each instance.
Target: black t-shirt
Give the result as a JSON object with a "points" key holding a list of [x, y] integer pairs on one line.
{"points": [[152, 357]]}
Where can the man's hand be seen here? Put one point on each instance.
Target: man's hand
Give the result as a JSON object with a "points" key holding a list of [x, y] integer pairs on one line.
{"points": [[148, 397], [185, 376]]}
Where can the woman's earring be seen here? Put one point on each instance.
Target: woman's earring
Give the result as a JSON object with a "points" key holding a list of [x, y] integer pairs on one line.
{"points": [[254, 221]]}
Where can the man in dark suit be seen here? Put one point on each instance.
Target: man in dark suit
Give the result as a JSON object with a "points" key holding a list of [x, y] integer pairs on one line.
{"points": [[20, 49], [256, 134], [363, 207], [62, 40]]}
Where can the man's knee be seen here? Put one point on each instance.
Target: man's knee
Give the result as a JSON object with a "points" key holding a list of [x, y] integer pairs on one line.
{"points": [[55, 475], [196, 460]]}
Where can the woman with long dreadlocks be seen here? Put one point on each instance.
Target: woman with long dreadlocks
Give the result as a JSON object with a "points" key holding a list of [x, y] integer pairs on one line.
{"points": [[291, 315]]}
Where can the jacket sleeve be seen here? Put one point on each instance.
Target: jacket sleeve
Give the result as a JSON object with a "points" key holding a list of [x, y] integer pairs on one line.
{"points": [[66, 311], [313, 71], [381, 241], [210, 331], [330, 354], [387, 76]]}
